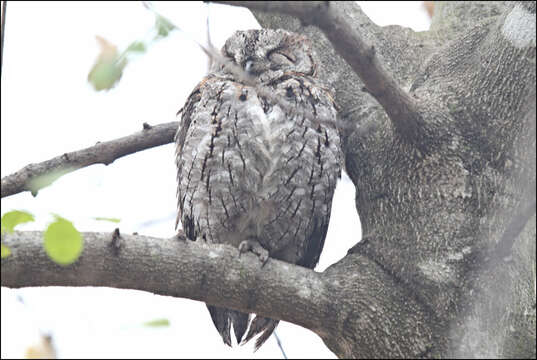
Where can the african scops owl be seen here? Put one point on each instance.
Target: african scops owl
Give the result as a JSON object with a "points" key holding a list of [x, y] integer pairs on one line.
{"points": [[258, 157]]}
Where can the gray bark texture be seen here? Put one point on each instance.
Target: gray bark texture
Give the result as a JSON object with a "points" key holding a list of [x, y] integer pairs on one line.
{"points": [[434, 210], [439, 140]]}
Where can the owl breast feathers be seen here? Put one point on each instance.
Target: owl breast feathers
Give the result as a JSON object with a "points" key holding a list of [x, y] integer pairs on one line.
{"points": [[258, 157]]}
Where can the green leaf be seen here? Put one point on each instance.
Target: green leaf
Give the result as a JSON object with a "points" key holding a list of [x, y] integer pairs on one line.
{"points": [[114, 220], [6, 251], [105, 75], [163, 25], [157, 322], [14, 218], [63, 242], [45, 180], [108, 68], [137, 46]]}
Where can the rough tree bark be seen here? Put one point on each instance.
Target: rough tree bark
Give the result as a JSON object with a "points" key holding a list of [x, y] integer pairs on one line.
{"points": [[433, 212], [442, 154]]}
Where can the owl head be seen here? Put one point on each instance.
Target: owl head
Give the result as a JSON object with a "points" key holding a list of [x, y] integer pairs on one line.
{"points": [[269, 54]]}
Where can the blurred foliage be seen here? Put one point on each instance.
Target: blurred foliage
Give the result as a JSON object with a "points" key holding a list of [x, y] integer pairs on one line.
{"points": [[163, 26], [63, 242], [108, 68], [8, 223], [114, 220], [42, 181], [137, 46], [43, 349], [158, 322], [6, 251], [14, 218], [429, 7]]}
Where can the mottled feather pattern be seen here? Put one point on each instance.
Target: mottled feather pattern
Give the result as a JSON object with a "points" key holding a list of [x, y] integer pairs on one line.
{"points": [[259, 160]]}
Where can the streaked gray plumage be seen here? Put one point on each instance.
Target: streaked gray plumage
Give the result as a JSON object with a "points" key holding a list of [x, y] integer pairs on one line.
{"points": [[258, 159]]}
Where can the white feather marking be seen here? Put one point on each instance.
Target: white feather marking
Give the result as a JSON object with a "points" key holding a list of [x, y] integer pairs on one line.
{"points": [[519, 27]]}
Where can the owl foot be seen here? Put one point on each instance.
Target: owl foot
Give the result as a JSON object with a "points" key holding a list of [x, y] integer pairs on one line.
{"points": [[255, 247], [180, 236]]}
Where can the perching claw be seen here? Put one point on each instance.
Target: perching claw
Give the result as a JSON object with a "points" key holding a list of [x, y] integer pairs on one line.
{"points": [[255, 247]]}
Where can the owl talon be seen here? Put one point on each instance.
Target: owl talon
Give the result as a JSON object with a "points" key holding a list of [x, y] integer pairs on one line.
{"points": [[244, 246], [255, 247], [180, 236], [263, 258]]}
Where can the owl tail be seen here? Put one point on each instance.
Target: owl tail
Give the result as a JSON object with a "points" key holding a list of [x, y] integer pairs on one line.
{"points": [[260, 325], [223, 318]]}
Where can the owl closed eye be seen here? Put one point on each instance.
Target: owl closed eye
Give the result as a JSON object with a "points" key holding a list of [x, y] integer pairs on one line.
{"points": [[282, 52]]}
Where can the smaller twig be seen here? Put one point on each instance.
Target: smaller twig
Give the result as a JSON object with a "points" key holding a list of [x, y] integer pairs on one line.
{"points": [[280, 344], [116, 241], [209, 41], [34, 177], [4, 7]]}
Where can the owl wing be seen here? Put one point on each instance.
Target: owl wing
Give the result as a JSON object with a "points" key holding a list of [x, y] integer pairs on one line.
{"points": [[180, 136], [186, 112], [315, 244]]}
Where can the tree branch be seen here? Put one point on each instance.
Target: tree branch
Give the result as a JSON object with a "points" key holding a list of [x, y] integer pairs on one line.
{"points": [[357, 52], [322, 302], [173, 267], [4, 8], [34, 177]]}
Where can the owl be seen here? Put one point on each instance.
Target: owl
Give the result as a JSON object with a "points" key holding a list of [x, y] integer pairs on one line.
{"points": [[258, 158]]}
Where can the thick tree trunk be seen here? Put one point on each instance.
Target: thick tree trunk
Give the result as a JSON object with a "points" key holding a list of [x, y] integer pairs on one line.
{"points": [[434, 210]]}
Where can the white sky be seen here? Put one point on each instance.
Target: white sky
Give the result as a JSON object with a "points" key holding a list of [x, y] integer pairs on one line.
{"points": [[48, 108]]}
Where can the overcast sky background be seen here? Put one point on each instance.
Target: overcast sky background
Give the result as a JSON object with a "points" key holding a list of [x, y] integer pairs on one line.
{"points": [[48, 108]]}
